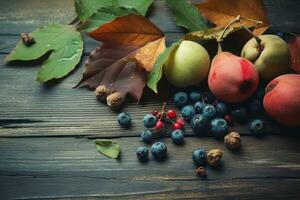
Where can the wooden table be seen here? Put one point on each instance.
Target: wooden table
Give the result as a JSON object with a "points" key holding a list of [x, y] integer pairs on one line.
{"points": [[47, 131]]}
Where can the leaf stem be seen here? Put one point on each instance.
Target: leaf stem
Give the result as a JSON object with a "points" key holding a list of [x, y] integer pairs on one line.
{"points": [[252, 20]]}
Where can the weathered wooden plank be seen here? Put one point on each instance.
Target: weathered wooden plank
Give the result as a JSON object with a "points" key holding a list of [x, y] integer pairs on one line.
{"points": [[20, 16], [69, 167]]}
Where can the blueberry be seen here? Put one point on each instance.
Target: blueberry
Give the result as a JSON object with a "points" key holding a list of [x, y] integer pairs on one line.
{"points": [[256, 127], [199, 157], [195, 96], [142, 154], [177, 136], [159, 150], [124, 120], [188, 112], [221, 108], [209, 111], [255, 106], [180, 99], [199, 124], [240, 114], [208, 97], [199, 106], [149, 121], [147, 136], [218, 127]]}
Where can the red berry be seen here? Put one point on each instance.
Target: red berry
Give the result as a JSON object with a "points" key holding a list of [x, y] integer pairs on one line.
{"points": [[228, 119], [159, 124], [180, 121], [154, 112], [171, 114], [177, 126]]}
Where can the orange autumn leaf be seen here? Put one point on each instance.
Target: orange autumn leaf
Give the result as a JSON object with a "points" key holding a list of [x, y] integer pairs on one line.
{"points": [[221, 12], [136, 31], [294, 45]]}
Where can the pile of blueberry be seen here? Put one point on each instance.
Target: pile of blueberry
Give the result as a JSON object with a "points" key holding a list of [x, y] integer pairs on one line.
{"points": [[210, 116]]}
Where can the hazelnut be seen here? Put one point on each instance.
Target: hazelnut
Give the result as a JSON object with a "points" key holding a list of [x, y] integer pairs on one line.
{"points": [[214, 157], [102, 92], [201, 171], [233, 140], [115, 100]]}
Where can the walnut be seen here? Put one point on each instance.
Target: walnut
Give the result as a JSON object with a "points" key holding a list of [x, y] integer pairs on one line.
{"points": [[201, 171], [214, 157], [233, 140], [27, 39], [115, 100], [102, 92]]}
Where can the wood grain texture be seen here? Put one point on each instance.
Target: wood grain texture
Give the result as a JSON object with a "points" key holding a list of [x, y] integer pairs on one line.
{"points": [[23, 16], [45, 153], [73, 168]]}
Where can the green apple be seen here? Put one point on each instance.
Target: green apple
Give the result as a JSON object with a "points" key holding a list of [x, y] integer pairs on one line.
{"points": [[187, 65], [272, 59]]}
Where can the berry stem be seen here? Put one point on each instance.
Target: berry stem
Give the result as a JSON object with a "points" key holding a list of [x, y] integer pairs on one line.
{"points": [[163, 110], [237, 19]]}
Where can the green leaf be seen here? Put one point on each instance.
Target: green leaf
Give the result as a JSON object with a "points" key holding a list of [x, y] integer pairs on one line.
{"points": [[103, 16], [108, 148], [66, 48], [211, 33], [187, 15], [155, 75], [86, 8]]}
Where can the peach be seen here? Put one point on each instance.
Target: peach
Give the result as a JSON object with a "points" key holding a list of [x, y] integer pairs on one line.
{"points": [[282, 99], [231, 78]]}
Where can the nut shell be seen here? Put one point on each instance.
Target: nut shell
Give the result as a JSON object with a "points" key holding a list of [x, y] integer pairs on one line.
{"points": [[214, 157], [102, 92], [115, 100], [233, 140]]}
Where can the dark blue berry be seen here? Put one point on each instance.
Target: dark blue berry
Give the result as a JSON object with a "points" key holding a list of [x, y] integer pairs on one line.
{"points": [[181, 99], [199, 106], [177, 136], [209, 111], [149, 121], [255, 106], [221, 108], [142, 154], [195, 96], [256, 127], [199, 157], [188, 112], [199, 124], [147, 136], [208, 97], [159, 150], [218, 127], [124, 120], [239, 114]]}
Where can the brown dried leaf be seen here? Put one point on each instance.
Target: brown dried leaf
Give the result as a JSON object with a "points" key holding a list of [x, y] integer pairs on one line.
{"points": [[222, 12]]}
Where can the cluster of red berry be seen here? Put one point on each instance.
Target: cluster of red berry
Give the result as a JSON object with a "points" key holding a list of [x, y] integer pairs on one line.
{"points": [[169, 116]]}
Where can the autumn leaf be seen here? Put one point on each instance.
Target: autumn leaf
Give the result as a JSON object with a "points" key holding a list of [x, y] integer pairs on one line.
{"points": [[294, 45], [86, 8], [155, 75], [187, 15], [222, 12], [108, 148], [126, 40], [64, 43]]}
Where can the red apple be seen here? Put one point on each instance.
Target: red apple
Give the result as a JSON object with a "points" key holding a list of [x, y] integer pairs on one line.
{"points": [[231, 78], [282, 99]]}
